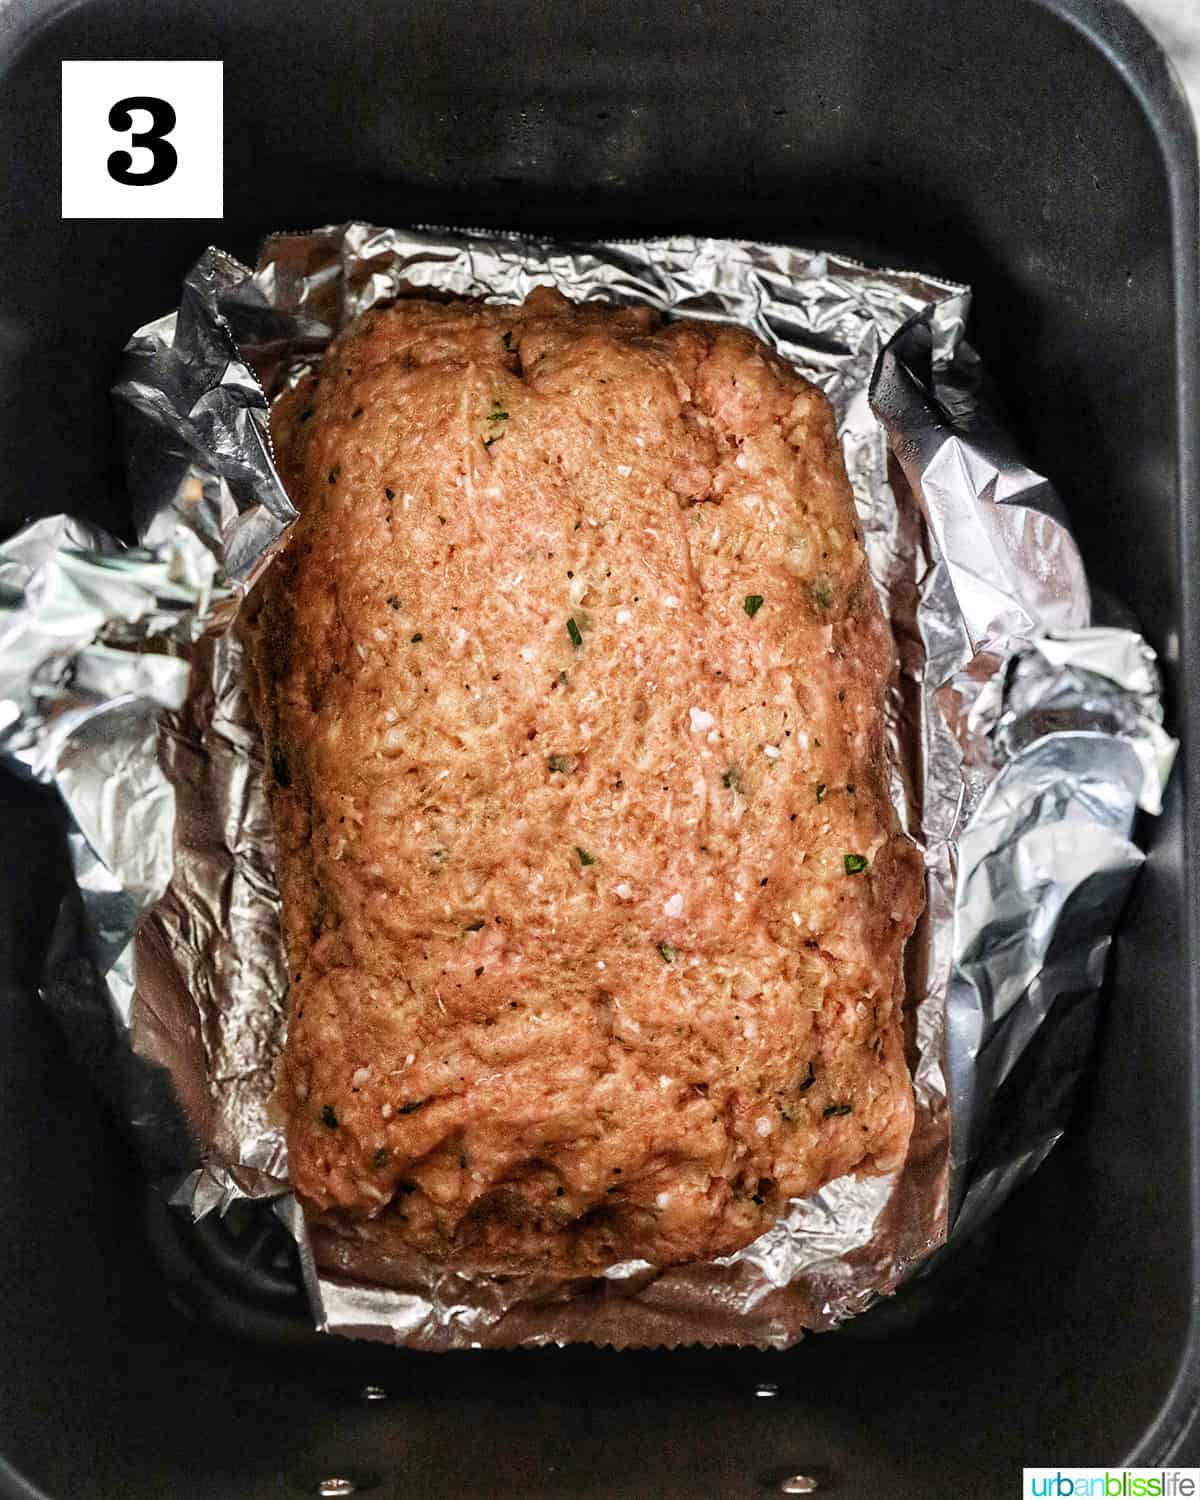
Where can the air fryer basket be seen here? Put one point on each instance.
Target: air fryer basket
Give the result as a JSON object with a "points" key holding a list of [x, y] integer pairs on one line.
{"points": [[1035, 148]]}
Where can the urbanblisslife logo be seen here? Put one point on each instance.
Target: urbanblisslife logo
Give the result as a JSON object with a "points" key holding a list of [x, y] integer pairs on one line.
{"points": [[1112, 1484]]}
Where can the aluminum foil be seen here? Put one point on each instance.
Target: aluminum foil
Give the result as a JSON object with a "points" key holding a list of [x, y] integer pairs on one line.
{"points": [[1023, 741]]}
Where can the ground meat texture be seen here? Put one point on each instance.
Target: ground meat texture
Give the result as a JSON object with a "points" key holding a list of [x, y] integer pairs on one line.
{"points": [[571, 678]]}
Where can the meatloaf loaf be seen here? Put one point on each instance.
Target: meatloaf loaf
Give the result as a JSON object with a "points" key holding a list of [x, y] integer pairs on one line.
{"points": [[571, 680]]}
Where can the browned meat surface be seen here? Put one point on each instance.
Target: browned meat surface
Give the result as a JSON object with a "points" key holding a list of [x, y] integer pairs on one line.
{"points": [[571, 679]]}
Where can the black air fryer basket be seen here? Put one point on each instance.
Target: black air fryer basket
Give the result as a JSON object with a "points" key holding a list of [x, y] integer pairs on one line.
{"points": [[1038, 149]]}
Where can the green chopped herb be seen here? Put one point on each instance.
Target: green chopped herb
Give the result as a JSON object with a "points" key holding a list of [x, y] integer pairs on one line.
{"points": [[381, 1156], [791, 1109], [564, 764], [836, 1109], [574, 632], [584, 857], [506, 339], [417, 637], [577, 525], [474, 926], [821, 790], [667, 952], [411, 1107], [732, 779], [329, 1116], [562, 679], [498, 416], [822, 593], [394, 600], [752, 603], [854, 864]]}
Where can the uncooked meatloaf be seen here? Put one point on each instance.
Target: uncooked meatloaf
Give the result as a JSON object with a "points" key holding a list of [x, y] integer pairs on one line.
{"points": [[571, 679]]}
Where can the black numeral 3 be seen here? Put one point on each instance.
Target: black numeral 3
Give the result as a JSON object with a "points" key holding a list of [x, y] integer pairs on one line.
{"points": [[162, 122]]}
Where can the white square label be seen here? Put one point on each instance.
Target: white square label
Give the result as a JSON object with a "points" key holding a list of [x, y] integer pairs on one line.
{"points": [[141, 140]]}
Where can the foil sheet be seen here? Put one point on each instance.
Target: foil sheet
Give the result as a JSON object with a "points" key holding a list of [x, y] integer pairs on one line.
{"points": [[1024, 741]]}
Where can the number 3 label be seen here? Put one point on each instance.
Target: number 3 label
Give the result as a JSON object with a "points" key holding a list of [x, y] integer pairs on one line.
{"points": [[164, 158], [141, 140]]}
